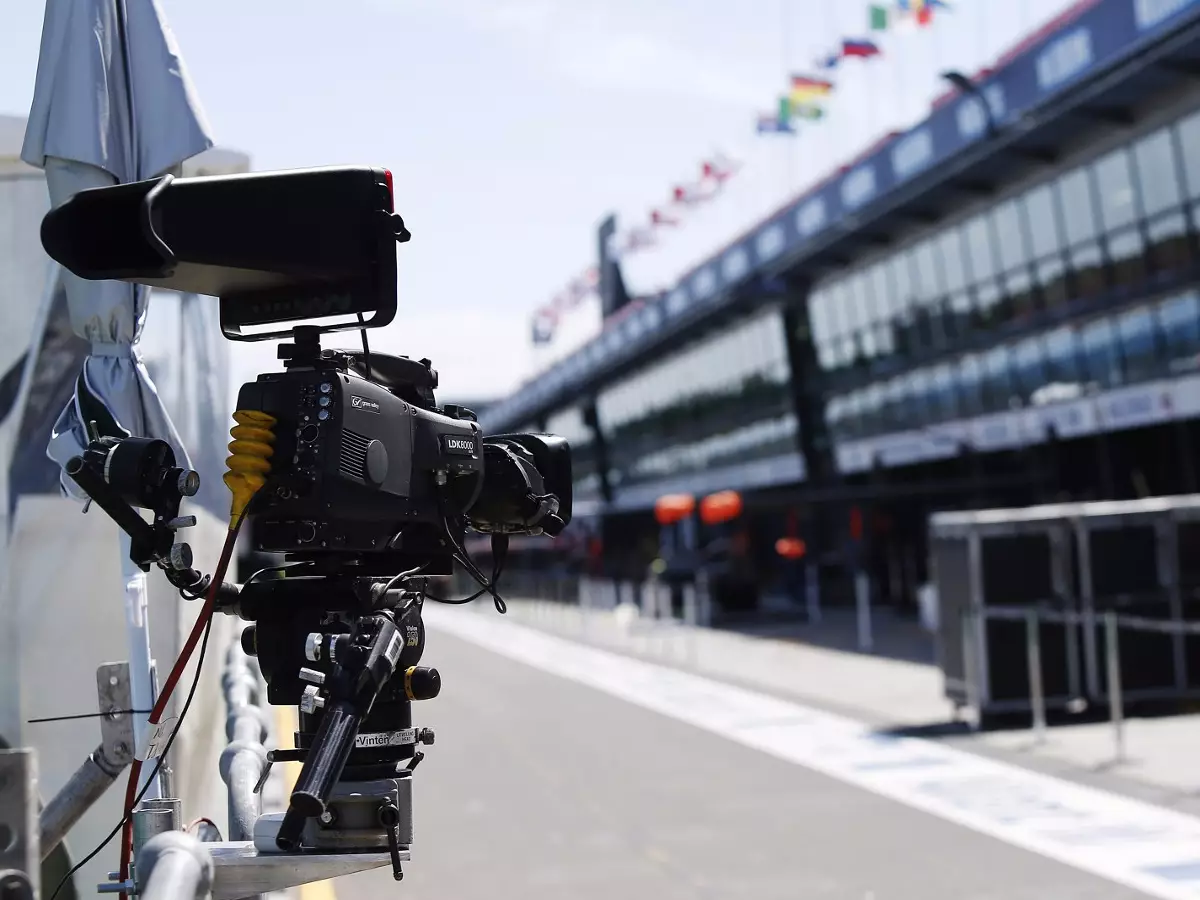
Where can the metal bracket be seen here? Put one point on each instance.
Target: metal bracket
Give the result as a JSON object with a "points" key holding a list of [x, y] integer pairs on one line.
{"points": [[240, 870], [19, 815], [116, 728]]}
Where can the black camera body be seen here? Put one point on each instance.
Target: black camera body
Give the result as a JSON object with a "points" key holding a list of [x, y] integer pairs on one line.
{"points": [[354, 466]]}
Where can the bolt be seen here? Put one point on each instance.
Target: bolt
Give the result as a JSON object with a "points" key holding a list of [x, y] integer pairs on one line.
{"points": [[327, 818], [425, 736]]}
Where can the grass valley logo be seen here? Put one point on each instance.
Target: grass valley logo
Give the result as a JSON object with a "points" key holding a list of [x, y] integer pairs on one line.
{"points": [[364, 404]]}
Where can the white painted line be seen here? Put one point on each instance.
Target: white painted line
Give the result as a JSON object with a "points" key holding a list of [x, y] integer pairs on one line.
{"points": [[1136, 844]]}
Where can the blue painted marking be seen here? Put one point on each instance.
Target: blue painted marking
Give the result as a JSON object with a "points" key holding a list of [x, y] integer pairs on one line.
{"points": [[917, 762], [1185, 871]]}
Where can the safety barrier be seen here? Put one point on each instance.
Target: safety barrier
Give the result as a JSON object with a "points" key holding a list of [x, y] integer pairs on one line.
{"points": [[1034, 618]]}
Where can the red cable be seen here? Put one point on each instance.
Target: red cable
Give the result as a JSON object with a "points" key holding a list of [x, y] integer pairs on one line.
{"points": [[135, 768]]}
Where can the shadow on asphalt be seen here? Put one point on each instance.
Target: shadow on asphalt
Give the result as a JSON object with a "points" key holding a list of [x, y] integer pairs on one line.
{"points": [[893, 636]]}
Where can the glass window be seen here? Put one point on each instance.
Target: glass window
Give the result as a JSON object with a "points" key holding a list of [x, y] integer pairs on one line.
{"points": [[1088, 274], [1188, 132], [943, 401], [970, 380], [1041, 212], [1062, 356], [854, 315], [997, 379], [1010, 235], [1029, 369], [928, 272], [820, 322], [881, 289], [1099, 344], [1179, 322], [902, 282], [872, 409], [919, 399], [866, 297], [1125, 251], [1158, 172], [894, 396], [1114, 185], [834, 417], [1138, 343], [1168, 241], [954, 268], [1078, 206], [852, 420], [980, 248], [1052, 276]]}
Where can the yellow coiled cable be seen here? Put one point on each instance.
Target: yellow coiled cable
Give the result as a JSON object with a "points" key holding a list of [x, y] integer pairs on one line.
{"points": [[251, 449]]}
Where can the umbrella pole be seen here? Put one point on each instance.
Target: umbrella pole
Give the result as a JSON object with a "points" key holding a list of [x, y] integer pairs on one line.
{"points": [[141, 687]]}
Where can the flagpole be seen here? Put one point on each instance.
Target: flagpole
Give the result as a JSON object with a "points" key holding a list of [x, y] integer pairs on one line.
{"points": [[785, 27]]}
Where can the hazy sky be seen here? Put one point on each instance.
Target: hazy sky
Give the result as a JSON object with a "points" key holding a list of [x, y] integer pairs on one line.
{"points": [[513, 126]]}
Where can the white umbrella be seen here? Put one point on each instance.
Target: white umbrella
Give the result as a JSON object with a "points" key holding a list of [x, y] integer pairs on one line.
{"points": [[112, 104]]}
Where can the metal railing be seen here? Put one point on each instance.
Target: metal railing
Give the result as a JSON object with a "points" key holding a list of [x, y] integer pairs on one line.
{"points": [[244, 759], [1033, 619]]}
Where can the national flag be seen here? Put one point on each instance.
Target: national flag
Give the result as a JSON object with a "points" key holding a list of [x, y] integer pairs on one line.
{"points": [[806, 88], [770, 123], [829, 62], [809, 111], [687, 194], [719, 169], [860, 48], [878, 18], [659, 218]]}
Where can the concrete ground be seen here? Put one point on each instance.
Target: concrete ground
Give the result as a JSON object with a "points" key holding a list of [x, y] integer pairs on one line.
{"points": [[539, 788]]}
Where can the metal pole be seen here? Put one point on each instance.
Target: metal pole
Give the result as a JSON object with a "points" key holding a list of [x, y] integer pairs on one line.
{"points": [[1113, 665], [1037, 696], [970, 688], [137, 627], [76, 797], [174, 866], [862, 592], [812, 592]]}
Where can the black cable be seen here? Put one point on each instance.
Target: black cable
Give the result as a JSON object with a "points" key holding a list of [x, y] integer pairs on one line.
{"points": [[366, 346], [157, 766], [497, 568], [95, 715], [282, 567]]}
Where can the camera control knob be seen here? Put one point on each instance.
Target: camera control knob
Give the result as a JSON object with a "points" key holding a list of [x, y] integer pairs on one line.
{"points": [[311, 700], [312, 676], [312, 646]]}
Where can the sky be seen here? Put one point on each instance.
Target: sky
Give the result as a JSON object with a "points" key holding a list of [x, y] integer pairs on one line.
{"points": [[512, 127]]}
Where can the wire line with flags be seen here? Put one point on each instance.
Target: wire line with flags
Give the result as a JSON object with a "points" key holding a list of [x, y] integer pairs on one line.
{"points": [[714, 172]]}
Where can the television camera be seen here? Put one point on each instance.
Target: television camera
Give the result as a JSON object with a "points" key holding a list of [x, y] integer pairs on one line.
{"points": [[343, 462]]}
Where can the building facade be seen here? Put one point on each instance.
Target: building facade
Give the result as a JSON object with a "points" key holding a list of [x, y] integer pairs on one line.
{"points": [[997, 307]]}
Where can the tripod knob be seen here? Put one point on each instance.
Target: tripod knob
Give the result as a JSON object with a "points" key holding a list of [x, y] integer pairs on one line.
{"points": [[422, 683], [311, 700]]}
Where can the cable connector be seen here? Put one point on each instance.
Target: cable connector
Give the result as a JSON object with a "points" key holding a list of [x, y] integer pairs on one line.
{"points": [[251, 448]]}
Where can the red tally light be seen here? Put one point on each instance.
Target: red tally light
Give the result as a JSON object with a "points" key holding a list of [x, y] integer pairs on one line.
{"points": [[387, 176]]}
